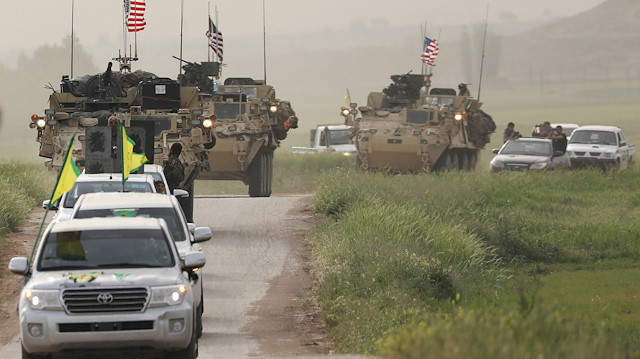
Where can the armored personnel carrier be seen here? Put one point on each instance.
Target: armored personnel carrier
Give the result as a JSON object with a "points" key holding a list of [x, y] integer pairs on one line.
{"points": [[411, 127], [249, 121], [157, 113]]}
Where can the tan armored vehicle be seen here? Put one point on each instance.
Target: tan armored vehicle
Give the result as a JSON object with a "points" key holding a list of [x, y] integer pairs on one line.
{"points": [[157, 112], [249, 122], [411, 127]]}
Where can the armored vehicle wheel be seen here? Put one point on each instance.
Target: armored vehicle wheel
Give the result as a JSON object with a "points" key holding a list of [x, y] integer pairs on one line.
{"points": [[455, 163], [464, 161], [473, 159], [260, 172]]}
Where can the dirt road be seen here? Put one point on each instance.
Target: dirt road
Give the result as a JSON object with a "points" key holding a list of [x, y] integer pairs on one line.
{"points": [[258, 290]]}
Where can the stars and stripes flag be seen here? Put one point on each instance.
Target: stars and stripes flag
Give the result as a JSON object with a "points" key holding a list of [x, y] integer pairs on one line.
{"points": [[134, 10], [430, 51], [215, 39]]}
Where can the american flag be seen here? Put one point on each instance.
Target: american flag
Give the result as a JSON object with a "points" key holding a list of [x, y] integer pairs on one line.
{"points": [[134, 10], [430, 51], [215, 39]]}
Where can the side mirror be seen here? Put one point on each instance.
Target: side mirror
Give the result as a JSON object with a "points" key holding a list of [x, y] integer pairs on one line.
{"points": [[192, 227], [180, 193], [194, 260], [202, 234], [45, 205], [19, 265], [495, 151]]}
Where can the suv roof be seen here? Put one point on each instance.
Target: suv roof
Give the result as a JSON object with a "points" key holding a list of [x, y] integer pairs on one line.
{"points": [[114, 200], [107, 223], [598, 128]]}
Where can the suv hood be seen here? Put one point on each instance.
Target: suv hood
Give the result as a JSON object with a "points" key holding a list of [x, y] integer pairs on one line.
{"points": [[584, 147], [523, 159], [105, 278]]}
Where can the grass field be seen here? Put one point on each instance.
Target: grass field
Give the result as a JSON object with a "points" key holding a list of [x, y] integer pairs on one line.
{"points": [[408, 263]]}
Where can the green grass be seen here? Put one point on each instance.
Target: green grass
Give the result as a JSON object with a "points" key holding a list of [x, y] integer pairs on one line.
{"points": [[457, 250], [22, 186]]}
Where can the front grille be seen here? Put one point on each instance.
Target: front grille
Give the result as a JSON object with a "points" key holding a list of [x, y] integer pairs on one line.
{"points": [[105, 300], [580, 153], [517, 167], [105, 326], [594, 154]]}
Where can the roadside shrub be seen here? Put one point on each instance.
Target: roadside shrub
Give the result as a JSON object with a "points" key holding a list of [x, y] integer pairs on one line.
{"points": [[22, 186]]}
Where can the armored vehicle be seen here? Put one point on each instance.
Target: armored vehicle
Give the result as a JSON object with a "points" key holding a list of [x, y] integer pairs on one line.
{"points": [[411, 127], [249, 122], [157, 112]]}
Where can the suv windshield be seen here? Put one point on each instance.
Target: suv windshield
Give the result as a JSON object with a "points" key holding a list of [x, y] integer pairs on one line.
{"points": [[80, 188], [167, 213], [531, 148], [98, 249], [594, 137], [339, 137]]}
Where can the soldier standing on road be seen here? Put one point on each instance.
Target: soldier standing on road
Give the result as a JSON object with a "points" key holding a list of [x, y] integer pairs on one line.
{"points": [[174, 170]]}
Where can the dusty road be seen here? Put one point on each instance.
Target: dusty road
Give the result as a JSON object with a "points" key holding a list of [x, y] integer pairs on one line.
{"points": [[258, 291]]}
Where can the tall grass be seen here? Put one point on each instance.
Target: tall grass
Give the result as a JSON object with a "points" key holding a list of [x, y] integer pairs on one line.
{"points": [[22, 186], [400, 250]]}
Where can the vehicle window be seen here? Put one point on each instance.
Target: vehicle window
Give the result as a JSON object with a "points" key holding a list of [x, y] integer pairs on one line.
{"points": [[228, 110], [446, 100], [521, 147], [80, 188], [431, 100], [594, 137], [419, 117], [339, 137], [169, 214], [96, 249]]}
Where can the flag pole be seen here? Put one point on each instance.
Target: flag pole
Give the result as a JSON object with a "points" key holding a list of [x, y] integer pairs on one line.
{"points": [[124, 27], [122, 151], [72, 9], [264, 41], [484, 41], [208, 49], [215, 7], [181, 29]]}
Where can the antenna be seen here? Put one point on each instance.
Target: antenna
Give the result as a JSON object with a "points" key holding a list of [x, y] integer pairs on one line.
{"points": [[484, 41], [264, 42], [181, 27], [72, 7]]}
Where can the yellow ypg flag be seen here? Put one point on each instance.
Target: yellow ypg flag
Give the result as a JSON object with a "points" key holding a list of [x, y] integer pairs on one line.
{"points": [[131, 161], [67, 176], [347, 98]]}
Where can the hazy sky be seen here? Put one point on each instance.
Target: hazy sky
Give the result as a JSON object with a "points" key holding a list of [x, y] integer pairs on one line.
{"points": [[48, 22]]}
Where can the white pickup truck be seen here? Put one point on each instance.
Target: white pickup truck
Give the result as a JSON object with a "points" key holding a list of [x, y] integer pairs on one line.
{"points": [[329, 138], [601, 146]]}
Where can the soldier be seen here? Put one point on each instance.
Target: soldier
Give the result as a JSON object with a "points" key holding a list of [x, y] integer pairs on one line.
{"points": [[173, 169], [464, 91]]}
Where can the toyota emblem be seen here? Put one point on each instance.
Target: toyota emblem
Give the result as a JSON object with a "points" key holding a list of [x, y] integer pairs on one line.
{"points": [[105, 298]]}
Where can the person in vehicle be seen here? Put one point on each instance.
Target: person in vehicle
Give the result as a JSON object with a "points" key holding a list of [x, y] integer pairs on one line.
{"points": [[159, 186], [510, 133], [558, 140], [545, 130]]}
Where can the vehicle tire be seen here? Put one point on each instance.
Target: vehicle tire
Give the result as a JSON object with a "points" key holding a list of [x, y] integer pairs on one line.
{"points": [[199, 327], [446, 161], [260, 173], [464, 161], [26, 355], [455, 164], [190, 352], [473, 160]]}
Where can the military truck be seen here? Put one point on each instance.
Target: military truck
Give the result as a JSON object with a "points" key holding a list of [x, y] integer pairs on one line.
{"points": [[249, 122], [411, 127], [157, 112]]}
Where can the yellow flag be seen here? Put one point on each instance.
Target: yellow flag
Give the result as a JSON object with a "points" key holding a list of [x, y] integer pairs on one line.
{"points": [[67, 176], [131, 161], [347, 98]]}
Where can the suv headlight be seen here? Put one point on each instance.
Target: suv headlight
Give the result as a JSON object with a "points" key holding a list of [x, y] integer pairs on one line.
{"points": [[497, 164], [607, 155], [167, 295], [42, 299], [539, 165]]}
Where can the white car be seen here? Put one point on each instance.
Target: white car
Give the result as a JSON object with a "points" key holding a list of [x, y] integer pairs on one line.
{"points": [[154, 205], [103, 285], [99, 182]]}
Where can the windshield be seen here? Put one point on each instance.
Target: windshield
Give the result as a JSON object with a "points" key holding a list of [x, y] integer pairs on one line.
{"points": [[229, 110], [435, 100], [594, 137], [80, 188], [339, 137], [531, 148], [415, 117], [113, 248], [169, 215]]}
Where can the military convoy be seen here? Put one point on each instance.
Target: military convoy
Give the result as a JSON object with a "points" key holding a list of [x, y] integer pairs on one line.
{"points": [[411, 127], [245, 116]]}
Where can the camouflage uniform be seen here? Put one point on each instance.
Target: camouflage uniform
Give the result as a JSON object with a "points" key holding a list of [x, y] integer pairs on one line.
{"points": [[174, 172]]}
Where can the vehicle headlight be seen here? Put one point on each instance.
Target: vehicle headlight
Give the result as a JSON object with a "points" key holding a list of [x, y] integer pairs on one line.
{"points": [[607, 155], [497, 164], [167, 295], [539, 165], [207, 123], [41, 123], [273, 109], [458, 117], [43, 299]]}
